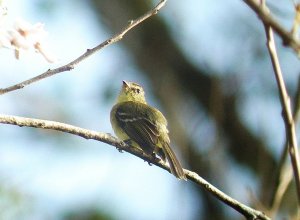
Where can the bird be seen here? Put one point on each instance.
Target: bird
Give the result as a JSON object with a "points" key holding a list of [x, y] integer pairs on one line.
{"points": [[143, 126]]}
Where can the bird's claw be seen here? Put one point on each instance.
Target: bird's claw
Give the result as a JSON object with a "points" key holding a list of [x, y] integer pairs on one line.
{"points": [[119, 149]]}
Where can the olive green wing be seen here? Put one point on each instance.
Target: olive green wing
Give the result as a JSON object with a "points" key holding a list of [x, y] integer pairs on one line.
{"points": [[138, 122], [143, 124]]}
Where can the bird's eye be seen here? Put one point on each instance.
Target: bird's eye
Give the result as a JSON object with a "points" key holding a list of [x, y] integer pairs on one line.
{"points": [[137, 90]]}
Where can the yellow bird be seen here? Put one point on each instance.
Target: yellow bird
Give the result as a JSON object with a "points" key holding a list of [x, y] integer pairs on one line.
{"points": [[143, 126]]}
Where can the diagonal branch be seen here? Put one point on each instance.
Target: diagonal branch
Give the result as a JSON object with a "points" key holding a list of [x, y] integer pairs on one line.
{"points": [[284, 174], [286, 109], [287, 37], [88, 53], [248, 212]]}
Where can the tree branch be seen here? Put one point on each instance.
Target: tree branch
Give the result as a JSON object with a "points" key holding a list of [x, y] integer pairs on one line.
{"points": [[286, 109], [248, 212], [284, 174], [88, 53], [287, 36]]}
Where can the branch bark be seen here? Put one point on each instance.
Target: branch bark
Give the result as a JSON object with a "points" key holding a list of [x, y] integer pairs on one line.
{"points": [[248, 212]]}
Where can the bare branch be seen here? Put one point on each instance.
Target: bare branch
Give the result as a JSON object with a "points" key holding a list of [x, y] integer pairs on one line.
{"points": [[88, 53], [286, 109], [287, 36], [248, 212], [284, 175], [285, 178]]}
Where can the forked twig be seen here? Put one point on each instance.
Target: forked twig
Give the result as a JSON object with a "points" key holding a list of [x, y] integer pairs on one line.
{"points": [[287, 37], [286, 109]]}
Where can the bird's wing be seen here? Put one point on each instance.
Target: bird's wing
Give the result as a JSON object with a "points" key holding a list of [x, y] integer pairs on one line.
{"points": [[135, 120]]}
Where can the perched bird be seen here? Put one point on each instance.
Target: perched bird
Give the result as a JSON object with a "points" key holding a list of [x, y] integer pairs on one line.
{"points": [[143, 126]]}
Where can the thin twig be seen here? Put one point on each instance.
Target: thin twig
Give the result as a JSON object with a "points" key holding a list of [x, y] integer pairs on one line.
{"points": [[284, 180], [88, 53], [286, 109], [287, 36], [284, 174], [248, 212]]}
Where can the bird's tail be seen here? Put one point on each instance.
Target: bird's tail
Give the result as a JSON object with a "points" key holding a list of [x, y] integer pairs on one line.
{"points": [[175, 166]]}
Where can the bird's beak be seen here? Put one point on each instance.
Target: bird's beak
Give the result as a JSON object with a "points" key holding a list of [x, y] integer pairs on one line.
{"points": [[125, 84]]}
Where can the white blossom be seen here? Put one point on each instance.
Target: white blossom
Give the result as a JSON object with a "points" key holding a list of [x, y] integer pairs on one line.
{"points": [[25, 36]]}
